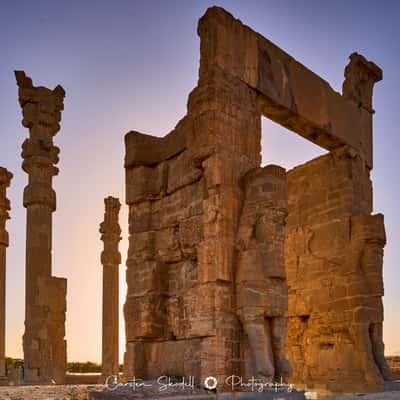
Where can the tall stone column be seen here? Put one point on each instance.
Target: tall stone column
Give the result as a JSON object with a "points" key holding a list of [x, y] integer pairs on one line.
{"points": [[45, 304], [5, 178], [111, 259]]}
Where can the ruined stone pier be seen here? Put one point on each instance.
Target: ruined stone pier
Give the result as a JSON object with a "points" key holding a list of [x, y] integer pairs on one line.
{"points": [[225, 257], [111, 259], [45, 298], [5, 179]]}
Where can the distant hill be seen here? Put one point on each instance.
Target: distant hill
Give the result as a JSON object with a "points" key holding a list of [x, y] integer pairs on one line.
{"points": [[396, 353]]}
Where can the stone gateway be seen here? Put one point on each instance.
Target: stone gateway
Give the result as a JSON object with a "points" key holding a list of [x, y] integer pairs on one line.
{"points": [[226, 259]]}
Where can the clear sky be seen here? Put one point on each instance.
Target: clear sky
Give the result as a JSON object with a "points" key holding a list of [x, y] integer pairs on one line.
{"points": [[131, 65]]}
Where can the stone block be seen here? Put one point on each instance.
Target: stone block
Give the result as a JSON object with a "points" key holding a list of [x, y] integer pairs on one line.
{"points": [[182, 171], [145, 317], [190, 235], [147, 277], [145, 183], [167, 245]]}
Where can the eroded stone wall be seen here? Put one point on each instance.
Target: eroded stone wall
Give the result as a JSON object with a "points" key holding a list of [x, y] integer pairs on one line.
{"points": [[184, 209], [333, 251]]}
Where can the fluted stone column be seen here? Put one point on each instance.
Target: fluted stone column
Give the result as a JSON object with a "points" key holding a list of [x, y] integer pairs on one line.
{"points": [[45, 301], [5, 178], [111, 259]]}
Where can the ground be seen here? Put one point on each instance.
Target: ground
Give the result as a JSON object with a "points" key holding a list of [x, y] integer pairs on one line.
{"points": [[98, 392]]}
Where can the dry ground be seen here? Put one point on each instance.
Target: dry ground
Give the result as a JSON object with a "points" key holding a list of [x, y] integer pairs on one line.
{"points": [[97, 392]]}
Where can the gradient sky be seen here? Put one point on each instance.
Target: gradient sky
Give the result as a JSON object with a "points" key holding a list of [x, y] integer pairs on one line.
{"points": [[131, 65]]}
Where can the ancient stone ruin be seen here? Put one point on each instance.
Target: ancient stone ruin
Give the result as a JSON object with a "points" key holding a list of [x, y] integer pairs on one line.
{"points": [[45, 298], [394, 365], [261, 287], [232, 268], [227, 259], [110, 259], [5, 179]]}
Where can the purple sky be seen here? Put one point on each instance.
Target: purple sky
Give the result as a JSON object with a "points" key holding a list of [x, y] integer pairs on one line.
{"points": [[131, 65]]}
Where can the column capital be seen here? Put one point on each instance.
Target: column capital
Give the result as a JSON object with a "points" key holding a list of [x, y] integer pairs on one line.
{"points": [[110, 228], [5, 177], [5, 180], [111, 232], [41, 111], [40, 105]]}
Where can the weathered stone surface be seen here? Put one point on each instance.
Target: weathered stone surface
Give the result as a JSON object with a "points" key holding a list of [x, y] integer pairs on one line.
{"points": [[394, 364], [361, 75], [110, 259], [261, 290], [150, 150], [225, 257], [334, 250], [52, 358], [182, 241], [5, 179], [287, 89], [191, 235], [45, 305], [145, 182]]}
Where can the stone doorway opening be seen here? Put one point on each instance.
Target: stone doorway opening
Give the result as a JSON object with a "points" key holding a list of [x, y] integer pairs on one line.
{"points": [[280, 146]]}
